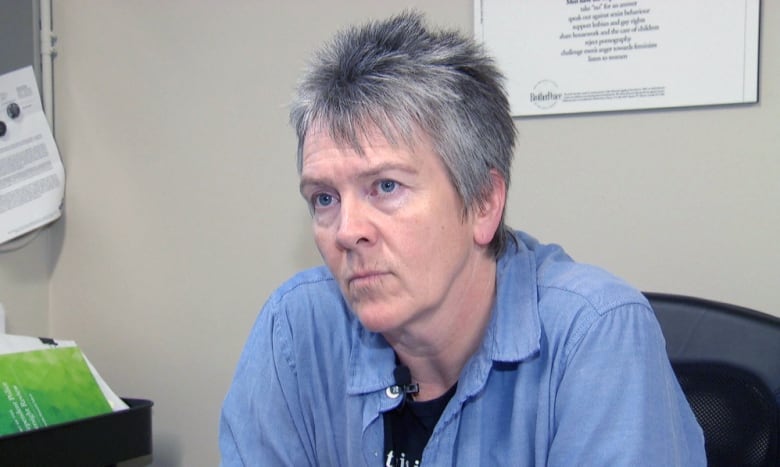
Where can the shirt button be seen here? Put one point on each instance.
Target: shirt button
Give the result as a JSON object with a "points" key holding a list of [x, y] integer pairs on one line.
{"points": [[391, 393]]}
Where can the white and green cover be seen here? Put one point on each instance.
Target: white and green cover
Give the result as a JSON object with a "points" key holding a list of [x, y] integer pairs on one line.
{"points": [[46, 383]]}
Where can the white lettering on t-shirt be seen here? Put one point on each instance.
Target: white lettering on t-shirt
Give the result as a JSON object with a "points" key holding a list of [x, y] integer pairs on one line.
{"points": [[401, 461]]}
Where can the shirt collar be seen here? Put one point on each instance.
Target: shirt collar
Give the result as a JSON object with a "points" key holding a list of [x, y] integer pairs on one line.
{"points": [[371, 361], [515, 330]]}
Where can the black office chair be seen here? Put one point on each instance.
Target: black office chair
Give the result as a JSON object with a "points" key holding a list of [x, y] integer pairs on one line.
{"points": [[727, 360]]}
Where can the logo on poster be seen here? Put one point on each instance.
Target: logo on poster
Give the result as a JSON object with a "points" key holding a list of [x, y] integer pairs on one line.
{"points": [[545, 94]]}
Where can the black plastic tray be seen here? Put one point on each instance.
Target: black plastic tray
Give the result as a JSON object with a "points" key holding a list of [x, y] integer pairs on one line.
{"points": [[94, 441]]}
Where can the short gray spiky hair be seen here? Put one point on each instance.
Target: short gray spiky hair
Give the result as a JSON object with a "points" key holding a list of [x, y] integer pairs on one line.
{"points": [[402, 78]]}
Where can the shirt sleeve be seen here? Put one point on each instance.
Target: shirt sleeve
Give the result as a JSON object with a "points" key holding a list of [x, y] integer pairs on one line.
{"points": [[618, 401], [261, 421]]}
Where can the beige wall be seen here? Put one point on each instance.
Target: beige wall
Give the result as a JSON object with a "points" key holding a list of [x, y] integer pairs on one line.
{"points": [[24, 284], [182, 212]]}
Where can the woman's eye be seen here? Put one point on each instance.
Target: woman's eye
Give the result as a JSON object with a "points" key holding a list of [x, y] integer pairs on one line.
{"points": [[323, 200], [388, 186]]}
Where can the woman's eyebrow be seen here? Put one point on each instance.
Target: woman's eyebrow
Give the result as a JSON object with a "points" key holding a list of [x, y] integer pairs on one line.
{"points": [[308, 181], [388, 167]]}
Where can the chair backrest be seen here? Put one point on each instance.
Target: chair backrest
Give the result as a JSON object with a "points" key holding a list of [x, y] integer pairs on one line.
{"points": [[727, 359]]}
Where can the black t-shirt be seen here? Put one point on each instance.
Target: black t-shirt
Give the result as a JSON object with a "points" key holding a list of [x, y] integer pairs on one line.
{"points": [[408, 429]]}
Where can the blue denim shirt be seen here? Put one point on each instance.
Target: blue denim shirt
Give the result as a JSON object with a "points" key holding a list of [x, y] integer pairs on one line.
{"points": [[572, 370]]}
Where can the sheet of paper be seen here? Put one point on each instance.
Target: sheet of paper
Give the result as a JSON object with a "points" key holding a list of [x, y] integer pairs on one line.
{"points": [[32, 178], [569, 56]]}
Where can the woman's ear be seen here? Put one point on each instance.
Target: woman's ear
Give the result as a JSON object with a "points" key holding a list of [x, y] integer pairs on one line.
{"points": [[489, 212]]}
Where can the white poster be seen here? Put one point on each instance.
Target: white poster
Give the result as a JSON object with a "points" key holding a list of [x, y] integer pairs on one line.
{"points": [[570, 56], [32, 178]]}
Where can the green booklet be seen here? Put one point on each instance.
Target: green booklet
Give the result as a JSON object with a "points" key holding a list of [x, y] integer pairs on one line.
{"points": [[44, 387]]}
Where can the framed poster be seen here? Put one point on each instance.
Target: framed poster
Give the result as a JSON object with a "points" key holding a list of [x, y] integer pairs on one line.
{"points": [[571, 56]]}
